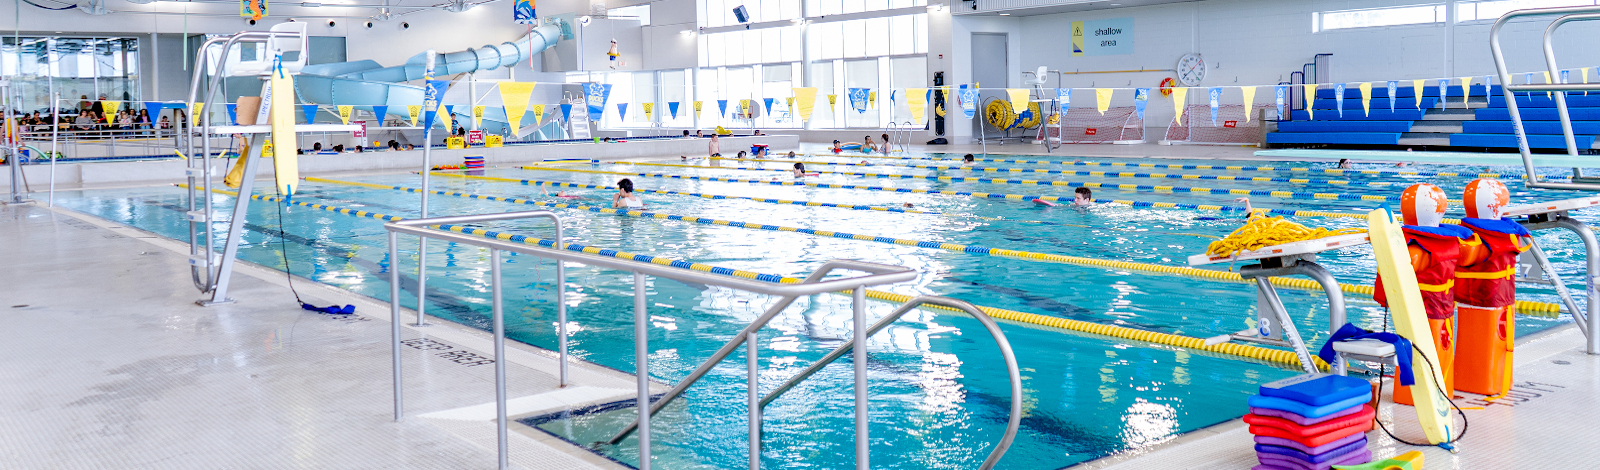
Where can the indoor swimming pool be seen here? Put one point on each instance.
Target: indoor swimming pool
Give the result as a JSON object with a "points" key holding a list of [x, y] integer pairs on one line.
{"points": [[939, 391]]}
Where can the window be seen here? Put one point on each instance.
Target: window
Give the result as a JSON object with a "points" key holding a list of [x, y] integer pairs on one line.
{"points": [[1490, 10], [1391, 16], [714, 13], [752, 46], [88, 67], [642, 12]]}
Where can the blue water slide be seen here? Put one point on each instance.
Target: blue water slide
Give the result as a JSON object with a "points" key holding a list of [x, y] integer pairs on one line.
{"points": [[367, 83]]}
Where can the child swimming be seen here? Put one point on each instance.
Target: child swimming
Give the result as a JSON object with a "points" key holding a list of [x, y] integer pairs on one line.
{"points": [[625, 199]]}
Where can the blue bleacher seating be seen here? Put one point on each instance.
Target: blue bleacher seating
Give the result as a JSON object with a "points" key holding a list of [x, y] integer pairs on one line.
{"points": [[1373, 138], [1377, 114], [1380, 90], [1510, 141], [1344, 126], [1531, 127], [1535, 114], [1377, 103]]}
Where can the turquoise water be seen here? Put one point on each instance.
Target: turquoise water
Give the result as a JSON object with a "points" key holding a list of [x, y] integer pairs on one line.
{"points": [[939, 393]]}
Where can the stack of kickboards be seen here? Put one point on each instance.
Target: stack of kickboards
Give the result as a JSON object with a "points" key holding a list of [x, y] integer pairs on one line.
{"points": [[1311, 422], [472, 162]]}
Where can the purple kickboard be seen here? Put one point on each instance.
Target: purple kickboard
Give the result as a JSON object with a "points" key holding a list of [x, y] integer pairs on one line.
{"points": [[1276, 462], [1311, 458], [1281, 442], [1301, 420]]}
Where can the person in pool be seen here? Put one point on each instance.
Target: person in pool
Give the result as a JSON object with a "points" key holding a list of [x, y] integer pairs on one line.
{"points": [[1344, 164], [869, 146], [838, 147], [791, 154], [741, 155], [968, 159], [799, 171], [715, 147], [885, 148], [1082, 197], [625, 199]]}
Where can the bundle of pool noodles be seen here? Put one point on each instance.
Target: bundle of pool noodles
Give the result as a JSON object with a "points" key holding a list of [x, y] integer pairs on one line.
{"points": [[1311, 422], [472, 162]]}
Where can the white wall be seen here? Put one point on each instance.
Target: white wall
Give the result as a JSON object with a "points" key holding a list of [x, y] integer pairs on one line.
{"points": [[958, 129], [1259, 42]]}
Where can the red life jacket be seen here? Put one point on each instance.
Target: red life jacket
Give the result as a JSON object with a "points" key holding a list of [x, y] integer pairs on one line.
{"points": [[1437, 279], [1488, 283]]}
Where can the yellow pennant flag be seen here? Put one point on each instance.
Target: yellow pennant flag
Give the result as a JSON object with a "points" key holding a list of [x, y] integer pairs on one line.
{"points": [[872, 98], [477, 116], [790, 103], [1547, 81], [344, 113], [514, 96], [1466, 89], [744, 106], [1180, 100], [649, 110], [1310, 96], [1249, 101], [538, 114], [806, 99], [414, 111], [1018, 97], [194, 113], [697, 106], [832, 99], [1366, 98], [1102, 99], [1416, 89], [917, 103], [447, 119], [110, 108]]}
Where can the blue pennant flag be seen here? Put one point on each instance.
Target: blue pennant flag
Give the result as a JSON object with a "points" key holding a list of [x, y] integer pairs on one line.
{"points": [[153, 108], [1065, 96], [858, 99], [566, 112], [310, 111], [672, 107], [768, 102], [622, 112], [1338, 98], [595, 95], [1444, 89], [1141, 97], [233, 114], [722, 108], [450, 110], [381, 112], [432, 96], [1278, 94], [1216, 100], [1394, 88], [969, 101], [1487, 89]]}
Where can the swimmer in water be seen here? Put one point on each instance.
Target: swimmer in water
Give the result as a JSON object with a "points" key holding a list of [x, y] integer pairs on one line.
{"points": [[1344, 164], [799, 171], [791, 154], [1082, 197], [625, 199], [968, 159], [741, 155]]}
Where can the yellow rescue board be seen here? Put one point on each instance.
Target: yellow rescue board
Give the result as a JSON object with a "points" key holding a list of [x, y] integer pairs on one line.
{"points": [[285, 163], [1410, 321]]}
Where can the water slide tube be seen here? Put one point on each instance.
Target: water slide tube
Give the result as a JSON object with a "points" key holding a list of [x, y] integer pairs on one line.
{"points": [[366, 83]]}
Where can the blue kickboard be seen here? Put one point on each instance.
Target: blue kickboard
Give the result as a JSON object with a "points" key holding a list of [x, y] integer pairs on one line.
{"points": [[1318, 389], [1302, 409], [1365, 138]]}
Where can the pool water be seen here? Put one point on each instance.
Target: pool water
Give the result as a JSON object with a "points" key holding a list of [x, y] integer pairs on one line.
{"points": [[938, 385]]}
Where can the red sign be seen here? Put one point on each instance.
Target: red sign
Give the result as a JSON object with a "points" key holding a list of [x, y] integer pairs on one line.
{"points": [[475, 137], [1089, 131], [1230, 123], [360, 133]]}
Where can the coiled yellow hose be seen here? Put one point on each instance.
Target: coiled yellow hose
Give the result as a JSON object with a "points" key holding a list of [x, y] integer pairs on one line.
{"points": [[1268, 231]]}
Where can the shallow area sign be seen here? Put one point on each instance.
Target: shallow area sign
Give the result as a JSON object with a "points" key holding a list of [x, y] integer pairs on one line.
{"points": [[1102, 37]]}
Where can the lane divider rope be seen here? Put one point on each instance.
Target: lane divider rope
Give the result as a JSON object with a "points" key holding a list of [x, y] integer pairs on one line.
{"points": [[1096, 174], [1305, 284], [1275, 356], [1069, 184], [1329, 171], [981, 195]]}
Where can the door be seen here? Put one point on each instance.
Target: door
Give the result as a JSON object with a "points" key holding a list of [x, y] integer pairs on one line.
{"points": [[989, 69]]}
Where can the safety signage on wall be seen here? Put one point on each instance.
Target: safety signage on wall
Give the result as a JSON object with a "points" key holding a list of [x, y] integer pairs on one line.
{"points": [[1102, 37], [360, 132], [475, 137]]}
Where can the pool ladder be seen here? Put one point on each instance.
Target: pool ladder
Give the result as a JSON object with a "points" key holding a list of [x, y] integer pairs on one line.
{"points": [[438, 228]]}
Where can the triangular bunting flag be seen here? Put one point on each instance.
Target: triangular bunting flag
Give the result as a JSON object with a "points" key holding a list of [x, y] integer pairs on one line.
{"points": [[194, 113], [310, 110], [1310, 95], [672, 108], [1249, 93], [768, 102], [697, 106], [514, 97], [380, 112], [622, 112], [1366, 98], [477, 116], [722, 108], [832, 101], [807, 99], [649, 111], [872, 98], [413, 111], [344, 113], [1416, 89], [538, 114], [1018, 98], [233, 113], [1102, 99], [566, 112], [448, 117], [917, 103], [1180, 98]]}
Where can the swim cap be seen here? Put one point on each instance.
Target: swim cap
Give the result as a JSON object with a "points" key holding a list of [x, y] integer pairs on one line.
{"points": [[1422, 204], [1485, 198]]}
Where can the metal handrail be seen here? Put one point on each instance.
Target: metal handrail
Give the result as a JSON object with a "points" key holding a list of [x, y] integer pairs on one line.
{"points": [[1584, 13], [860, 358], [439, 228]]}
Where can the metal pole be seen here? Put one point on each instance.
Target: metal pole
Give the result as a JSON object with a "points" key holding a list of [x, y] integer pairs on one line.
{"points": [[754, 396], [422, 242], [1592, 251], [55, 134], [561, 307], [1335, 293], [858, 306], [499, 356], [394, 319], [641, 357]]}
